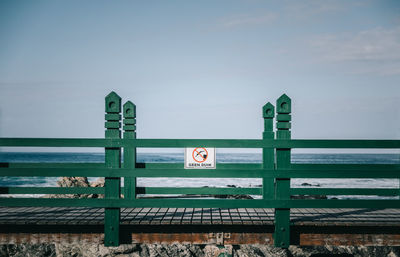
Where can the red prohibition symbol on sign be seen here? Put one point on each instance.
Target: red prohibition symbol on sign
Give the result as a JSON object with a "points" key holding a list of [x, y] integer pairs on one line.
{"points": [[200, 154]]}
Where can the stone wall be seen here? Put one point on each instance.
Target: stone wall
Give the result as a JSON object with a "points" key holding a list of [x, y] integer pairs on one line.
{"points": [[167, 250]]}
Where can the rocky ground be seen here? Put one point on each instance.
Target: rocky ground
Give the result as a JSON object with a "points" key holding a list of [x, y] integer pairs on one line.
{"points": [[77, 182], [164, 250]]}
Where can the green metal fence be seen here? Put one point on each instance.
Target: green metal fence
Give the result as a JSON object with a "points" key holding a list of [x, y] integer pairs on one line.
{"points": [[276, 170]]}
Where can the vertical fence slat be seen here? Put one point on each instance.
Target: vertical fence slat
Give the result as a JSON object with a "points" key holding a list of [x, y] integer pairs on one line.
{"points": [[282, 191], [129, 112], [112, 160], [268, 153]]}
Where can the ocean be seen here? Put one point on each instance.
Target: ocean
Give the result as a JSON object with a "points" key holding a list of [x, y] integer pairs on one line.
{"points": [[221, 158]]}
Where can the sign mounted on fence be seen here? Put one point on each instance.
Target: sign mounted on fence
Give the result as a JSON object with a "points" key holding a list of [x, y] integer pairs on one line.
{"points": [[199, 158]]}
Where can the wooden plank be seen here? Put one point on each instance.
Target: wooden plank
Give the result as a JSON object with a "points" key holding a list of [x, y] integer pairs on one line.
{"points": [[306, 239], [201, 238], [350, 239], [37, 238]]}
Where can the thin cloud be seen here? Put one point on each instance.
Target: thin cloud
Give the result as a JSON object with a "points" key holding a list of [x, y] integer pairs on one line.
{"points": [[307, 9], [376, 49], [248, 20]]}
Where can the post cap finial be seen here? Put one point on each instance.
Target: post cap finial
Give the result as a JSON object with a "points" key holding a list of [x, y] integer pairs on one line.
{"points": [[113, 103], [129, 110], [268, 110], [284, 104]]}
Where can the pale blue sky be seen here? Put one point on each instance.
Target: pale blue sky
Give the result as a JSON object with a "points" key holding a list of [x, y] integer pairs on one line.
{"points": [[200, 69]]}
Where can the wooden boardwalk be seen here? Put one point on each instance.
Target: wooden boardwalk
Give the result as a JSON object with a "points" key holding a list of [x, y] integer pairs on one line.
{"points": [[202, 225], [197, 216]]}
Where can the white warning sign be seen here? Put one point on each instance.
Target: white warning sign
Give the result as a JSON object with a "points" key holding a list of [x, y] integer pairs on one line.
{"points": [[199, 158]]}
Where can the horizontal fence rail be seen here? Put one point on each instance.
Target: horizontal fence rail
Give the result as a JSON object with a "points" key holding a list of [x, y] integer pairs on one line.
{"points": [[392, 172], [275, 171], [218, 143], [199, 203], [201, 191], [346, 191], [205, 191]]}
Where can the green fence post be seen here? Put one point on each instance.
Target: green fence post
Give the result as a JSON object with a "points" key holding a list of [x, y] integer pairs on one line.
{"points": [[282, 190], [129, 111], [112, 160], [268, 153]]}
